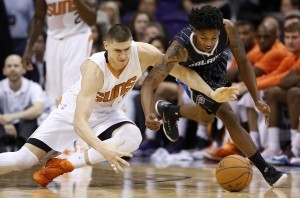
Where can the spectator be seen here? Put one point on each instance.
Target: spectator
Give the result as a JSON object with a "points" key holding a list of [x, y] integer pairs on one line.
{"points": [[152, 30], [21, 103], [283, 89], [138, 25]]}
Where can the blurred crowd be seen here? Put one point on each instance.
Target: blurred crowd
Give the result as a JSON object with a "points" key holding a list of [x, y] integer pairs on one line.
{"points": [[270, 31]]}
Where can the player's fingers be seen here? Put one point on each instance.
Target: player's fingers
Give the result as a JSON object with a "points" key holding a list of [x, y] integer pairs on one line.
{"points": [[114, 167], [119, 167], [124, 162], [125, 154], [153, 124], [232, 97], [235, 92]]}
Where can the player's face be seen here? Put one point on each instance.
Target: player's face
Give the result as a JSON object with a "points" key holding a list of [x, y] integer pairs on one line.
{"points": [[292, 41], [118, 52], [13, 68], [206, 39]]}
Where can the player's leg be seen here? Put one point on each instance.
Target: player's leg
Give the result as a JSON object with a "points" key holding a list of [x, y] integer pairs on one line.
{"points": [[32, 152], [55, 133], [28, 156], [127, 132], [244, 142]]}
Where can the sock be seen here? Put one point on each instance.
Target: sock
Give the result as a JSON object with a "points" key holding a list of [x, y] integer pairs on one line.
{"points": [[174, 112], [255, 137], [296, 145], [259, 162], [274, 138], [293, 134], [202, 132]]}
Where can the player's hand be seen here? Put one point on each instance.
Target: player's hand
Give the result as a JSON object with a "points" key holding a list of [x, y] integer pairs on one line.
{"points": [[241, 87], [265, 109], [10, 130], [152, 122], [224, 94], [26, 61], [114, 156]]}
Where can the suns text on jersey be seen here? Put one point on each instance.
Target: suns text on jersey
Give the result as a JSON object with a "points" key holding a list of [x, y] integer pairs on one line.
{"points": [[61, 7], [118, 90]]}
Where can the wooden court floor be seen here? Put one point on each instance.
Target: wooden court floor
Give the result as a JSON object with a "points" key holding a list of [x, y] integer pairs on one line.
{"points": [[144, 179]]}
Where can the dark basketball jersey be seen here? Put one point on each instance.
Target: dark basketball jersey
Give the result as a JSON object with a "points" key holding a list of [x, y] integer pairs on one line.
{"points": [[210, 66]]}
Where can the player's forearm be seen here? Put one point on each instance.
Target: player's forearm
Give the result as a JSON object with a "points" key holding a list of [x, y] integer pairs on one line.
{"points": [[248, 76], [85, 132], [159, 72], [147, 97], [192, 79], [31, 113], [86, 12]]}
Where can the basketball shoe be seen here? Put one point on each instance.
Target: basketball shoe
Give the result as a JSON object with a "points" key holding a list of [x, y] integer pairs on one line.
{"points": [[53, 168], [275, 178], [169, 120], [224, 151]]}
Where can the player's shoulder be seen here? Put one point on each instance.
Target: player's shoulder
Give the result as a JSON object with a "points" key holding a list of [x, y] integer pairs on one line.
{"points": [[147, 49]]}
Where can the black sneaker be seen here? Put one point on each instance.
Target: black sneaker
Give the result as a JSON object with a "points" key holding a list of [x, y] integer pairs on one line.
{"points": [[169, 125], [201, 143], [274, 177]]}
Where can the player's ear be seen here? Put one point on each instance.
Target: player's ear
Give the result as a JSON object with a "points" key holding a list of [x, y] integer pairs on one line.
{"points": [[105, 44]]}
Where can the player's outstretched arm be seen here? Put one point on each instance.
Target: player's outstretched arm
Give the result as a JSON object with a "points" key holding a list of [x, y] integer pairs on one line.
{"points": [[194, 80], [86, 12], [245, 67], [178, 53], [36, 27], [92, 81]]}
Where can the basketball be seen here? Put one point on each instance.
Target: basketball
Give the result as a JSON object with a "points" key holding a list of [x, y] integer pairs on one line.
{"points": [[234, 173]]}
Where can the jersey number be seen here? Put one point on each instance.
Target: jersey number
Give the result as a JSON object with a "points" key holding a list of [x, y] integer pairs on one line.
{"points": [[77, 19]]}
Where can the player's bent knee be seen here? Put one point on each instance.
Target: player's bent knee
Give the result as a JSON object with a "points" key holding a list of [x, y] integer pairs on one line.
{"points": [[132, 136], [136, 136]]}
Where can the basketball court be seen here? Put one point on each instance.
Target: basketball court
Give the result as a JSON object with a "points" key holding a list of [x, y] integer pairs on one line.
{"points": [[145, 178]]}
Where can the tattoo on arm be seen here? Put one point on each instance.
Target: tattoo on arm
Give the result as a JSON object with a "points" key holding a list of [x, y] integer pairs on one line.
{"points": [[176, 53]]}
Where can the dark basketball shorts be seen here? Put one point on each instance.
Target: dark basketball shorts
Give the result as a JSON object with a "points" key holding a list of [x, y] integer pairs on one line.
{"points": [[201, 99]]}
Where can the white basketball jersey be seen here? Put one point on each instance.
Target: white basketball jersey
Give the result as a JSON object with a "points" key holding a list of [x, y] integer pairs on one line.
{"points": [[115, 87], [63, 19]]}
